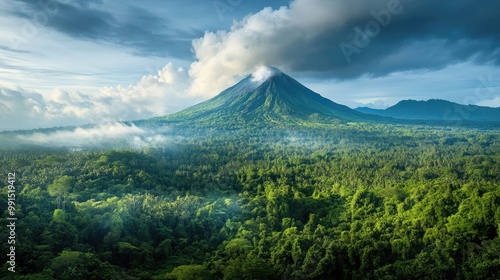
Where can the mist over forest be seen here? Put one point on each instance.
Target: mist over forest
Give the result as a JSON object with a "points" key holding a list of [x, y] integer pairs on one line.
{"points": [[347, 201]]}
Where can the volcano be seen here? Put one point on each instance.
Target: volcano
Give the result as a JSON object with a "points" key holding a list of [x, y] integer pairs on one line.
{"points": [[268, 95]]}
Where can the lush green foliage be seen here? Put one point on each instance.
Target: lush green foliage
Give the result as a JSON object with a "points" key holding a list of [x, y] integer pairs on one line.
{"points": [[343, 202]]}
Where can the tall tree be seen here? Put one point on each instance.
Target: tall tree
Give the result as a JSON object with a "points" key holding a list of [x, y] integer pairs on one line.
{"points": [[60, 188]]}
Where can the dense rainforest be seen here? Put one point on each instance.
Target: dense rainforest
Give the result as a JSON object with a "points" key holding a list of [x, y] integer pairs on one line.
{"points": [[351, 201]]}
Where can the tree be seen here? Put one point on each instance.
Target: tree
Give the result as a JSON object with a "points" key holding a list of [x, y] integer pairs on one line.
{"points": [[77, 265], [60, 189], [188, 272]]}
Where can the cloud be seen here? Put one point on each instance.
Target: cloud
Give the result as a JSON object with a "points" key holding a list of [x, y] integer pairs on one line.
{"points": [[371, 103], [116, 134], [21, 109], [153, 95], [306, 37], [6, 48], [128, 26], [303, 38], [263, 73], [495, 102]]}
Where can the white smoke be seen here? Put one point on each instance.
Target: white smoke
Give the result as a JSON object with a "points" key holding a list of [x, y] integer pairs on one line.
{"points": [[263, 73]]}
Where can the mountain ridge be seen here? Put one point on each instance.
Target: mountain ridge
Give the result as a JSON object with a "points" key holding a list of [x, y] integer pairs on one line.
{"points": [[436, 110]]}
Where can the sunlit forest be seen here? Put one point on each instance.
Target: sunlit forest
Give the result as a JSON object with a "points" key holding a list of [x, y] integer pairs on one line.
{"points": [[349, 201]]}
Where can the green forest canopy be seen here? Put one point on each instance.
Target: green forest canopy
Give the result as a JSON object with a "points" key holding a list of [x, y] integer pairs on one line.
{"points": [[350, 202]]}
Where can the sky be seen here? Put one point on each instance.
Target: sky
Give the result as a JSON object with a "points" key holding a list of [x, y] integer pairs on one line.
{"points": [[72, 62]]}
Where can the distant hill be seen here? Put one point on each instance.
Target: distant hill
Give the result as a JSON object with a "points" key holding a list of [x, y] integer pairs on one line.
{"points": [[437, 110], [274, 98]]}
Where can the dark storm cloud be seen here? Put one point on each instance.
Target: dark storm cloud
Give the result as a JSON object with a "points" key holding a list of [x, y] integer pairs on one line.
{"points": [[420, 35], [147, 34], [348, 39]]}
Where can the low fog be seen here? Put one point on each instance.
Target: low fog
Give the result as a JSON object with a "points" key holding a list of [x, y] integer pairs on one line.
{"points": [[115, 135]]}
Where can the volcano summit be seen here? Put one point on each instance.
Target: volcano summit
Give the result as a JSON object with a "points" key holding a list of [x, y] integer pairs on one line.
{"points": [[268, 95]]}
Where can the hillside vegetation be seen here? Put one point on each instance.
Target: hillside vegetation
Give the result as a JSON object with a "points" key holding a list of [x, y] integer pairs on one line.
{"points": [[328, 202]]}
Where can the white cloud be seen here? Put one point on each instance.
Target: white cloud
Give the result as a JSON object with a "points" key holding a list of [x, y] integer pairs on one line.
{"points": [[113, 133], [490, 103], [372, 103], [153, 95], [19, 106], [263, 73], [223, 56]]}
